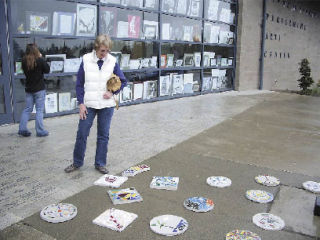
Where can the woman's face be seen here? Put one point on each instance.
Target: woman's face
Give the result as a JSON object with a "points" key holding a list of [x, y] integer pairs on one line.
{"points": [[102, 52]]}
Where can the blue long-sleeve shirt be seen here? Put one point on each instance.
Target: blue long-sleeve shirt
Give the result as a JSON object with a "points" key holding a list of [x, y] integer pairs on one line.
{"points": [[81, 80]]}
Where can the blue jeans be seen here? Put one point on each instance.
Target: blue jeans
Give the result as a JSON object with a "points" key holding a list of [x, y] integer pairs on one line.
{"points": [[36, 98], [103, 126]]}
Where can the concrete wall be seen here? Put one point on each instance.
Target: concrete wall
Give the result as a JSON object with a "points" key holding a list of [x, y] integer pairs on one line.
{"points": [[248, 44], [292, 33]]}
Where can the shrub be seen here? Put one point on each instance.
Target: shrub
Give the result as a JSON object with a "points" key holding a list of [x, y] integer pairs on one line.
{"points": [[306, 80]]}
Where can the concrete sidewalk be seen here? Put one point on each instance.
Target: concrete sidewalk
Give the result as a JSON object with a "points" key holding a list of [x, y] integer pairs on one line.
{"points": [[238, 135]]}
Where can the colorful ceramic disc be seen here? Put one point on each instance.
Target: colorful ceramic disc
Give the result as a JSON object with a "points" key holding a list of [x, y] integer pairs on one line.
{"points": [[259, 196], [219, 181], [168, 225], [198, 204], [267, 180], [268, 221], [242, 235], [312, 186], [56, 213]]}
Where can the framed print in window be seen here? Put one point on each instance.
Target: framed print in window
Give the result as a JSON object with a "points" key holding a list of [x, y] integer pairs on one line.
{"points": [[125, 61], [150, 31], [137, 91], [188, 60], [163, 61], [110, 1], [133, 26], [64, 101], [63, 23], [197, 59], [149, 89], [170, 60], [194, 8], [165, 85], [168, 6], [38, 22], [188, 83], [150, 4], [177, 84], [108, 21], [126, 93], [122, 29], [134, 64], [145, 62], [179, 62], [154, 61], [86, 20], [206, 84], [72, 64], [181, 7]]}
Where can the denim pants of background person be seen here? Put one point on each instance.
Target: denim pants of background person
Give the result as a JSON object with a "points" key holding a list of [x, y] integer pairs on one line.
{"points": [[103, 126], [36, 98]]}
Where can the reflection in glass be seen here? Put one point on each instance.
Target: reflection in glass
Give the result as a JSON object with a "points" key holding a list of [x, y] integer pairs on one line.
{"points": [[2, 100]]}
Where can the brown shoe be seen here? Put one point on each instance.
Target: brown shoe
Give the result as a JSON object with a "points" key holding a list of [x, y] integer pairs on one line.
{"points": [[71, 168], [102, 169]]}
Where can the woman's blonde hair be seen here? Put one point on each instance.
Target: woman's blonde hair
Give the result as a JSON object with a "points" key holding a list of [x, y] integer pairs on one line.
{"points": [[104, 40]]}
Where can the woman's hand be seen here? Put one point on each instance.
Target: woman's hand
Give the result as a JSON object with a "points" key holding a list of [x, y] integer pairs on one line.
{"points": [[83, 111], [107, 95]]}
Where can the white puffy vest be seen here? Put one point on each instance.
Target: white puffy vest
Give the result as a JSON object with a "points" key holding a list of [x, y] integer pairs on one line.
{"points": [[95, 80]]}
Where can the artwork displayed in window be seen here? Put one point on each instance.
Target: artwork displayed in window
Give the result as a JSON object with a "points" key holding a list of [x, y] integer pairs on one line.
{"points": [[133, 26], [86, 20], [150, 4], [188, 83], [145, 62], [125, 61], [150, 89], [165, 85], [188, 60], [154, 61], [150, 29], [18, 69], [108, 21], [166, 31], [163, 61], [64, 101], [122, 29], [134, 64], [187, 33], [38, 22], [182, 7], [170, 60], [72, 64], [197, 59], [110, 1], [206, 84], [179, 62], [225, 15], [177, 84], [63, 23], [194, 8], [137, 91], [212, 12], [126, 93], [168, 6], [51, 103]]}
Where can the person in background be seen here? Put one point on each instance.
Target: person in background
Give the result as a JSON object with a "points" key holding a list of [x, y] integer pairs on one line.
{"points": [[34, 66], [94, 99]]}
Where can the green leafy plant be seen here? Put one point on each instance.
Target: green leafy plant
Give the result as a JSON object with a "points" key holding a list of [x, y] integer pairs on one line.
{"points": [[306, 80]]}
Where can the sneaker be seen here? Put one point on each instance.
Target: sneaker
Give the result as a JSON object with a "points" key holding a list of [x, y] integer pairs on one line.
{"points": [[24, 133], [71, 168], [102, 169], [44, 134]]}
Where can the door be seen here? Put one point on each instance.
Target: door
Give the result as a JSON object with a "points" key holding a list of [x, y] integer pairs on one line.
{"points": [[5, 102]]}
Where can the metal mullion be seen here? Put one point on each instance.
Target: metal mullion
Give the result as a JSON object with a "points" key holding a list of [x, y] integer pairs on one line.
{"points": [[160, 43]]}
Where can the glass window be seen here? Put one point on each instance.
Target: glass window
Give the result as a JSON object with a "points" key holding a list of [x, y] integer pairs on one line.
{"points": [[218, 56], [216, 10], [218, 33], [122, 23], [192, 8], [217, 79], [2, 100], [180, 55], [62, 18], [181, 29], [136, 55]]}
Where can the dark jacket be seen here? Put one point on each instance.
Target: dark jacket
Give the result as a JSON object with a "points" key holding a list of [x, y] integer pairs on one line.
{"points": [[34, 78]]}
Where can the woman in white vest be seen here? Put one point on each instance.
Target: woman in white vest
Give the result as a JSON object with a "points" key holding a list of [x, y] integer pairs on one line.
{"points": [[94, 99]]}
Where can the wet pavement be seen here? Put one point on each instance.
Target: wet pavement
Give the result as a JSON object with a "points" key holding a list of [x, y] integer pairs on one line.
{"points": [[238, 135]]}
